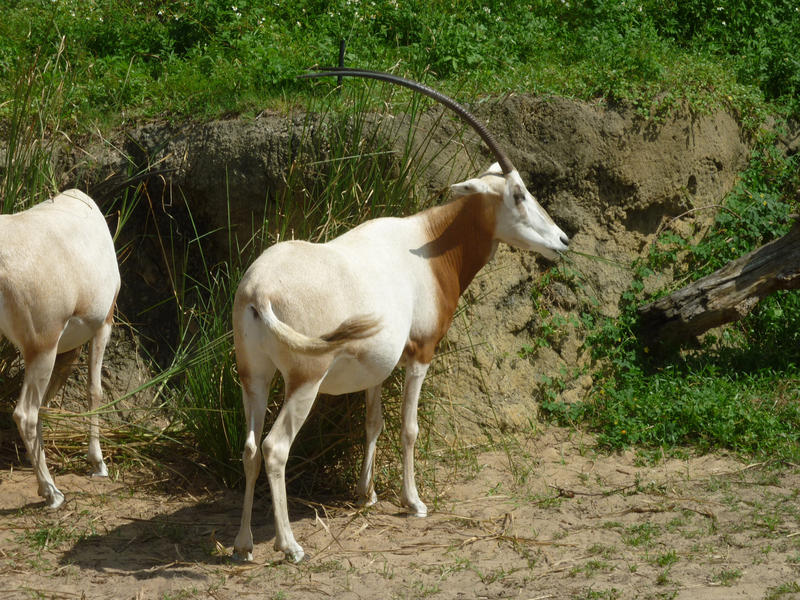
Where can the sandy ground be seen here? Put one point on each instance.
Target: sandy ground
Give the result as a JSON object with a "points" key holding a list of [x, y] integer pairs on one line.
{"points": [[545, 517]]}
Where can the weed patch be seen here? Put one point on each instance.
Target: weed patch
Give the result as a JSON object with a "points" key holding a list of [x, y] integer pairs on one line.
{"points": [[212, 58], [735, 389]]}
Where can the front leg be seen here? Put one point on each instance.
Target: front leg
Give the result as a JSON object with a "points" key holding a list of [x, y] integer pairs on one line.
{"points": [[97, 349], [415, 374]]}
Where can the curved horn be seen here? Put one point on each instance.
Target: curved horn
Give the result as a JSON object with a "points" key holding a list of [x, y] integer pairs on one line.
{"points": [[480, 128]]}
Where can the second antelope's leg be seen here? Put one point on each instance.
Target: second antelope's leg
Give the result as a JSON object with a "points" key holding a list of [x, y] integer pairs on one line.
{"points": [[38, 369], [415, 374], [255, 392], [366, 485], [97, 349]]}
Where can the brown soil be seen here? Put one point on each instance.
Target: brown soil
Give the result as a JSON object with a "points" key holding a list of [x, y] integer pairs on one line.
{"points": [[548, 517]]}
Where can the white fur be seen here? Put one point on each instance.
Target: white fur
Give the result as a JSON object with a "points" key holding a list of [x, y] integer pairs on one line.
{"points": [[58, 284], [389, 270]]}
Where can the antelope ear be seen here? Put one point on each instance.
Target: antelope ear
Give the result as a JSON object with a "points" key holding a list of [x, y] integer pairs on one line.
{"points": [[515, 192], [494, 169], [470, 186]]}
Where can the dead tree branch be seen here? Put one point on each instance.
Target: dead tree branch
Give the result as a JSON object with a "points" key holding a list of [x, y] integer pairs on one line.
{"points": [[726, 295]]}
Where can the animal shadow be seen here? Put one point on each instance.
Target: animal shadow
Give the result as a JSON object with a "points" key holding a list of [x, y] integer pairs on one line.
{"points": [[174, 541]]}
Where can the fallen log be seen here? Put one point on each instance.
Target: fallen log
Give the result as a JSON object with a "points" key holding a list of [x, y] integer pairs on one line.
{"points": [[725, 295]]}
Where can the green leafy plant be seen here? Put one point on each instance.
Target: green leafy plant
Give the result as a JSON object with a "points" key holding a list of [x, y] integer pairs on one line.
{"points": [[736, 389], [192, 59]]}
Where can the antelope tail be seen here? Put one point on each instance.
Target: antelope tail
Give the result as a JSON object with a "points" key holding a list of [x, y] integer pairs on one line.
{"points": [[355, 328]]}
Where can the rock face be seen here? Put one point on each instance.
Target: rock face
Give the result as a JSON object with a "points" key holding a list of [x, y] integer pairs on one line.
{"points": [[610, 180]]}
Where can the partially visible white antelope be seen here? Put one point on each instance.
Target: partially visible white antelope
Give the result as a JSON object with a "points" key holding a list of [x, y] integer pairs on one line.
{"points": [[59, 282], [339, 317]]}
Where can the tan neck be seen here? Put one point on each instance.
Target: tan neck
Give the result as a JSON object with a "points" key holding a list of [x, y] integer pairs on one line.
{"points": [[461, 237]]}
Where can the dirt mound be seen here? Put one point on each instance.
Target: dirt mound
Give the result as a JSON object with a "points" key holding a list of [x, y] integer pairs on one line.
{"points": [[608, 178], [611, 182]]}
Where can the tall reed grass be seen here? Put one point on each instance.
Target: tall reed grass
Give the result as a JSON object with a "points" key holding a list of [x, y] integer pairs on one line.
{"points": [[36, 109]]}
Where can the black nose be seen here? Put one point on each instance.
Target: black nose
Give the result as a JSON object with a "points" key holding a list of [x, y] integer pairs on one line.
{"points": [[565, 240]]}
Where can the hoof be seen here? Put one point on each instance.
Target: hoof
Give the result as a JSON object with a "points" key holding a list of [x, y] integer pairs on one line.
{"points": [[417, 510], [54, 500], [295, 555], [95, 459], [367, 501], [101, 472], [242, 556]]}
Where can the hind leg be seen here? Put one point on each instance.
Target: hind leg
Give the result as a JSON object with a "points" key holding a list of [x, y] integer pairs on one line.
{"points": [[299, 400], [255, 391], [38, 370], [374, 425], [62, 368]]}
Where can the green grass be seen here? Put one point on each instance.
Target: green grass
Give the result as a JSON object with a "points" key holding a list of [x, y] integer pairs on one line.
{"points": [[32, 123], [590, 568], [727, 577], [49, 536], [790, 589], [133, 59], [641, 535], [592, 594], [667, 559], [737, 389]]}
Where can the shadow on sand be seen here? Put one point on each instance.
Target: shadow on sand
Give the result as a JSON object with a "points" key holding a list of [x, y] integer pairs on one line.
{"points": [[172, 543]]}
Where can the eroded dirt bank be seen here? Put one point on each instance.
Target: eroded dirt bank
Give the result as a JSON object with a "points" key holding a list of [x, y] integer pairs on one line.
{"points": [[609, 179]]}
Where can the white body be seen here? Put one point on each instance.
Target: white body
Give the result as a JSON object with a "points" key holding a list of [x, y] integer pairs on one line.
{"points": [[58, 286], [339, 317]]}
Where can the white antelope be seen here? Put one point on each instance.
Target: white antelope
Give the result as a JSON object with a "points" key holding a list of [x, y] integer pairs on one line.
{"points": [[58, 286], [338, 317]]}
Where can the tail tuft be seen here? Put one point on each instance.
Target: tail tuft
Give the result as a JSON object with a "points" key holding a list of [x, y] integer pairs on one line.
{"points": [[353, 329]]}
